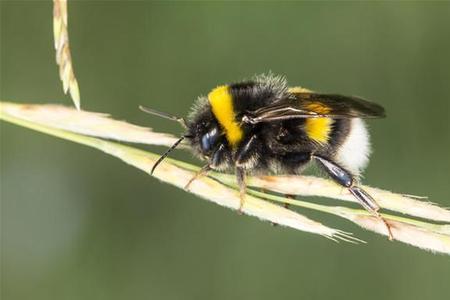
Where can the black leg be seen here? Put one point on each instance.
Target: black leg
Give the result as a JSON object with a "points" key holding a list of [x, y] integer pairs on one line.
{"points": [[220, 157], [202, 172], [345, 178], [248, 153], [338, 173]]}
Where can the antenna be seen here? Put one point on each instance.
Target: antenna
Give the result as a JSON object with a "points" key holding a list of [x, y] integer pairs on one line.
{"points": [[166, 153], [163, 115]]}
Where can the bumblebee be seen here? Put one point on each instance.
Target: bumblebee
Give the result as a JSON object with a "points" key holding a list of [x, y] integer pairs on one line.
{"points": [[263, 126]]}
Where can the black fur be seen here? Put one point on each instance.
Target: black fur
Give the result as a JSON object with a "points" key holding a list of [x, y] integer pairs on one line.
{"points": [[280, 147]]}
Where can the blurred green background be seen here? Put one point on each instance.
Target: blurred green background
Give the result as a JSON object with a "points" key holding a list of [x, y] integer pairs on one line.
{"points": [[78, 224]]}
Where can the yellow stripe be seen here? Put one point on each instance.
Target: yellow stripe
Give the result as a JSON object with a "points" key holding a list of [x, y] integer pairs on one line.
{"points": [[318, 129], [222, 107]]}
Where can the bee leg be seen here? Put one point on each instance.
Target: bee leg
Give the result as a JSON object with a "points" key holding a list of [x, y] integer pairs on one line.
{"points": [[240, 176], [346, 179], [370, 205], [248, 153], [271, 223], [200, 173], [292, 197], [246, 157], [285, 205]]}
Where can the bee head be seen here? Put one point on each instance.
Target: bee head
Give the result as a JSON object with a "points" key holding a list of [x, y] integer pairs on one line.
{"points": [[204, 134]]}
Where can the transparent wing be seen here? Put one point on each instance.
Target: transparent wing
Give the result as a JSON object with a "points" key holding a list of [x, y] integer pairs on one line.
{"points": [[314, 105]]}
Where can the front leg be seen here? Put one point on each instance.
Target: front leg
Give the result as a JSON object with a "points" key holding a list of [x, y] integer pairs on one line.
{"points": [[346, 179], [200, 173], [219, 160]]}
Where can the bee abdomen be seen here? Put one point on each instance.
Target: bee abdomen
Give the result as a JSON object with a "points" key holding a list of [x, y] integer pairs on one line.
{"points": [[353, 145]]}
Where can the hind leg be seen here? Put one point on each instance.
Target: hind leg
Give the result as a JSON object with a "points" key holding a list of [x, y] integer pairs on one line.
{"points": [[346, 179]]}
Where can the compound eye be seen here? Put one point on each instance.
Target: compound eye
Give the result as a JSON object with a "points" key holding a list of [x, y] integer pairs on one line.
{"points": [[209, 140]]}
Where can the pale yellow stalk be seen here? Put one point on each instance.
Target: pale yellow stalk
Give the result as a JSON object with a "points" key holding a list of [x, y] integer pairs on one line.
{"points": [[86, 123], [221, 188], [313, 186], [168, 172]]}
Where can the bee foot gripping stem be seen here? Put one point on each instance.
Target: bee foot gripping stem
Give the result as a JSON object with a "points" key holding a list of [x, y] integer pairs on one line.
{"points": [[346, 179], [200, 173], [371, 206]]}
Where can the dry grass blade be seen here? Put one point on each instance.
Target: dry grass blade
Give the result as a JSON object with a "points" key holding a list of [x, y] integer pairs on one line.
{"points": [[429, 236], [205, 187], [417, 236], [63, 56], [87, 123], [313, 186], [221, 188]]}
